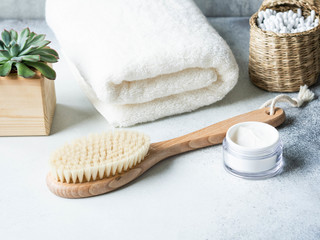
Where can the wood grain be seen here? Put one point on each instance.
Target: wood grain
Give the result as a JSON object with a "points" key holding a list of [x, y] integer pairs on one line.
{"points": [[26, 105], [205, 137]]}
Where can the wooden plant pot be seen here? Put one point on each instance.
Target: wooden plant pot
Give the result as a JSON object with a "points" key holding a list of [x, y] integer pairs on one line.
{"points": [[27, 105]]}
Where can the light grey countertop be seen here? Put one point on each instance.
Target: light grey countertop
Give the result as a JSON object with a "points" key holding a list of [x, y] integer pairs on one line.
{"points": [[189, 196]]}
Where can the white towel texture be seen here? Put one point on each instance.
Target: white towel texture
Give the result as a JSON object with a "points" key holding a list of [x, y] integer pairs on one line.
{"points": [[141, 60]]}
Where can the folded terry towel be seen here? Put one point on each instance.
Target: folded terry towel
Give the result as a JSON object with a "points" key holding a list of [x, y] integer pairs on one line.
{"points": [[140, 60]]}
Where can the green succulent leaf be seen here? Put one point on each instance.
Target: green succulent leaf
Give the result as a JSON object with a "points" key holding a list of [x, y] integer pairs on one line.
{"points": [[13, 42], [14, 35], [24, 71], [27, 58], [35, 41], [31, 58], [30, 39], [46, 71], [45, 51], [52, 52], [2, 45], [14, 50], [25, 32], [22, 43], [6, 37], [5, 69], [27, 51], [5, 54], [38, 38], [16, 59], [23, 37], [40, 44], [48, 58], [32, 34]]}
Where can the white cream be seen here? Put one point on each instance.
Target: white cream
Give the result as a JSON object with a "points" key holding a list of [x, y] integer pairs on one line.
{"points": [[252, 150], [253, 135]]}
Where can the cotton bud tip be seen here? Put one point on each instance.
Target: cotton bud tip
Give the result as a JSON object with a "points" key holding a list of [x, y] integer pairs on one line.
{"points": [[286, 22]]}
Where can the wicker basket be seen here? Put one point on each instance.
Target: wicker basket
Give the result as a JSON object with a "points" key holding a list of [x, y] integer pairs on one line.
{"points": [[281, 62]]}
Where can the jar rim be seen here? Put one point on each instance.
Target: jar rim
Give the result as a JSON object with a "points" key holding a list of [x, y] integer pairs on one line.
{"points": [[252, 150]]}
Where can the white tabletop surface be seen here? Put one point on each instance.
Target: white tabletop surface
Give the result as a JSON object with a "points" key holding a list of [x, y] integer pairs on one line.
{"points": [[189, 196]]}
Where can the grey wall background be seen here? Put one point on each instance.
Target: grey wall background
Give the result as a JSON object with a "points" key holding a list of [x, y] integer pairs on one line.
{"points": [[228, 8], [20, 9]]}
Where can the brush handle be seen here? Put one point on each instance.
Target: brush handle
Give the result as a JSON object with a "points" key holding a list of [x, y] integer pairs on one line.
{"points": [[205, 137], [214, 134]]}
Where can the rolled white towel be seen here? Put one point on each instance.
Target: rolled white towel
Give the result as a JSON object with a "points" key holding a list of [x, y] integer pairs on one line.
{"points": [[142, 60]]}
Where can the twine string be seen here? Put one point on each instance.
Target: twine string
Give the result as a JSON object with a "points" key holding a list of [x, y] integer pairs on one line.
{"points": [[304, 95]]}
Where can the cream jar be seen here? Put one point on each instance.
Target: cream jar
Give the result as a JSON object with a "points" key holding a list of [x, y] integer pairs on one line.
{"points": [[252, 150]]}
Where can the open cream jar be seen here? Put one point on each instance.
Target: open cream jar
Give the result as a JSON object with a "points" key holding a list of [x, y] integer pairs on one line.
{"points": [[252, 150]]}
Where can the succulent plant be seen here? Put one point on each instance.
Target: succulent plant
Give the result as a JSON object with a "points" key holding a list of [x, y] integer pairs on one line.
{"points": [[25, 53]]}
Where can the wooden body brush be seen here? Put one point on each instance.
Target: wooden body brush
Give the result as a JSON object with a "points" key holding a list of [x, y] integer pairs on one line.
{"points": [[103, 163]]}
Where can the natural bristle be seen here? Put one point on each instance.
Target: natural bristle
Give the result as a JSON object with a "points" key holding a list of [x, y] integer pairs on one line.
{"points": [[99, 156]]}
